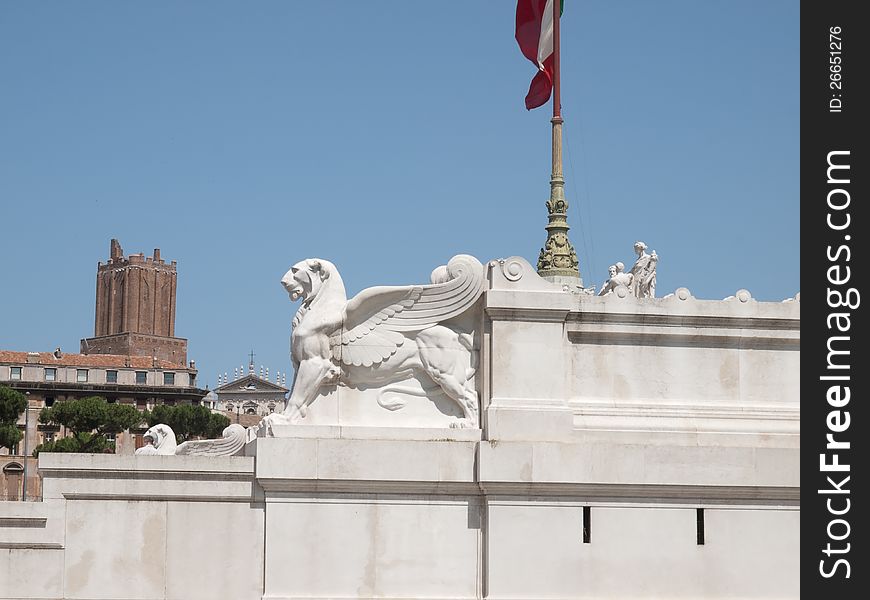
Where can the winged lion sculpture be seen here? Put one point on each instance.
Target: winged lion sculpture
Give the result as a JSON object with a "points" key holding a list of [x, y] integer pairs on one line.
{"points": [[382, 335]]}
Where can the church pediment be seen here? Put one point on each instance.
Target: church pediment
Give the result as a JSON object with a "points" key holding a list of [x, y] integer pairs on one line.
{"points": [[250, 383]]}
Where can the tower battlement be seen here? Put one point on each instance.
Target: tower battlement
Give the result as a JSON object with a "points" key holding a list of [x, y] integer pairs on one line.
{"points": [[135, 307]]}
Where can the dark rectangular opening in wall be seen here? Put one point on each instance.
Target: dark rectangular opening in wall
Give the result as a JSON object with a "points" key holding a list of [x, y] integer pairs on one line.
{"points": [[587, 525], [700, 525]]}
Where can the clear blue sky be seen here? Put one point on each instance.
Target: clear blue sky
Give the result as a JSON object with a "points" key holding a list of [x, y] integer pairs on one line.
{"points": [[386, 136]]}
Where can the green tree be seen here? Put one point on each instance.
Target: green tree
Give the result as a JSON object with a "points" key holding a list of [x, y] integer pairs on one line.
{"points": [[90, 420], [12, 404], [216, 425], [188, 421]]}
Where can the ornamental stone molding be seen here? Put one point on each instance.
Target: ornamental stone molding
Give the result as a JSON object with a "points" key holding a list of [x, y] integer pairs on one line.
{"points": [[557, 257]]}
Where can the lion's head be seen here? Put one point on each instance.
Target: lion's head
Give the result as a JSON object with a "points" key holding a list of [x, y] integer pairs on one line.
{"points": [[305, 278], [159, 439]]}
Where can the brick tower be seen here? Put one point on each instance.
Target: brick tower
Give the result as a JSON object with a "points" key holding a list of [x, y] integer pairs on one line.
{"points": [[135, 311]]}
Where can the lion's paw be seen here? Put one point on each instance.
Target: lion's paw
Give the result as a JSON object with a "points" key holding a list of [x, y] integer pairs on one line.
{"points": [[267, 422]]}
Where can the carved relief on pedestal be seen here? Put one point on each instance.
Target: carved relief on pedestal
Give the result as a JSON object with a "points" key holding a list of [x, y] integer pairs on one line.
{"points": [[557, 257], [383, 338]]}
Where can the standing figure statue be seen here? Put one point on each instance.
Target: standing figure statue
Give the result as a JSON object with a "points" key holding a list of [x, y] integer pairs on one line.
{"points": [[650, 280], [643, 284]]}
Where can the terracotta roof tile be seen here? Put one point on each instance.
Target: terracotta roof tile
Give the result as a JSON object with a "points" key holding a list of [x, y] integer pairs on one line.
{"points": [[85, 360]]}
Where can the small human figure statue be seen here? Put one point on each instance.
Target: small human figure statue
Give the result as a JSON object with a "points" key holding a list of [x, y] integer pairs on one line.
{"points": [[643, 284], [618, 277], [622, 278], [608, 285]]}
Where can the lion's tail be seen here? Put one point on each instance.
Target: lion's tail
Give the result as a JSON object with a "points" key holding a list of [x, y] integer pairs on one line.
{"points": [[393, 402]]}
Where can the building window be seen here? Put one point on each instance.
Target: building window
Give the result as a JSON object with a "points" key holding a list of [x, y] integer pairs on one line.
{"points": [[49, 401], [13, 469], [169, 379], [140, 377], [81, 375], [50, 374], [111, 377], [15, 373], [193, 380]]}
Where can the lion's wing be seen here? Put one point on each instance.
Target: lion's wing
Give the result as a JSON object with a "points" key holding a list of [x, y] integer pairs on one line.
{"points": [[377, 318], [229, 444]]}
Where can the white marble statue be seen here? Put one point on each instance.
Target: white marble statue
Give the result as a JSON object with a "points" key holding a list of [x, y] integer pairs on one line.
{"points": [[160, 440], [382, 335], [643, 283], [618, 277]]}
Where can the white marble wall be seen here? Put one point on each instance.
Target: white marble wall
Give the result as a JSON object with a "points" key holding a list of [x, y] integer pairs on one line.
{"points": [[642, 410]]}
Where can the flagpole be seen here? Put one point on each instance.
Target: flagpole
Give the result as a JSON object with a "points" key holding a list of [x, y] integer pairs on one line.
{"points": [[557, 100], [557, 178], [557, 261]]}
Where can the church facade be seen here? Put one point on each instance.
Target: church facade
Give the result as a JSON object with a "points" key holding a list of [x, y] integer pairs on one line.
{"points": [[250, 395]]}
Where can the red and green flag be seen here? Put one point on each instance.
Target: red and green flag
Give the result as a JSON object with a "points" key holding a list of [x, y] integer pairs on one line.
{"points": [[535, 37]]}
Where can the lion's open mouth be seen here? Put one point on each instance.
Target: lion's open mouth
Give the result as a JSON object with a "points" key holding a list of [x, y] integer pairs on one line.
{"points": [[293, 288]]}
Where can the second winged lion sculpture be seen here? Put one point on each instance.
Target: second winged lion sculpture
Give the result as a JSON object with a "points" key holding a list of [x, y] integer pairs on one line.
{"points": [[382, 335]]}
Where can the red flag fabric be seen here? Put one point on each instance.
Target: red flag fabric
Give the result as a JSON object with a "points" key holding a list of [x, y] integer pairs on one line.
{"points": [[535, 41]]}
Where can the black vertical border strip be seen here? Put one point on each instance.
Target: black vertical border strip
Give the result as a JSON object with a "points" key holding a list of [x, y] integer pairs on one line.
{"points": [[823, 131], [587, 525]]}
